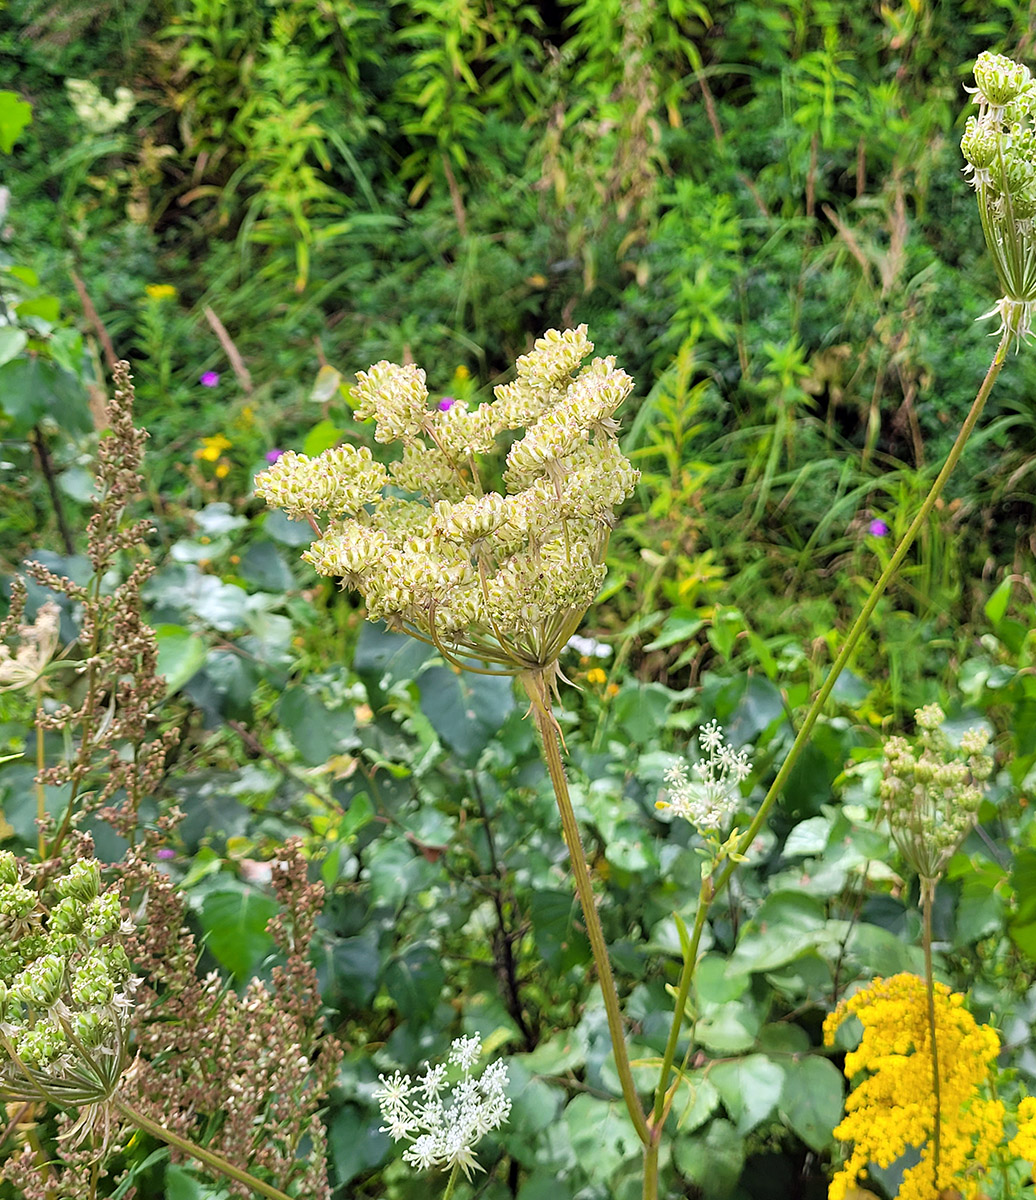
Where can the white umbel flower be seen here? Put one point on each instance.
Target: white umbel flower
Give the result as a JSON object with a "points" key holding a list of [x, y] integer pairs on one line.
{"points": [[444, 1130]]}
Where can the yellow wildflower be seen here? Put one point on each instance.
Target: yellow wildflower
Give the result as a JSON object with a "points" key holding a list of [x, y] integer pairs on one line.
{"points": [[222, 469], [161, 291], [212, 447], [462, 372], [1023, 1144], [894, 1107], [596, 675]]}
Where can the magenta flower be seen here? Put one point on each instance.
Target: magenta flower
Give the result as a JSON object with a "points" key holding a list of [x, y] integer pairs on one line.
{"points": [[164, 852], [273, 455], [878, 528], [209, 379], [446, 403]]}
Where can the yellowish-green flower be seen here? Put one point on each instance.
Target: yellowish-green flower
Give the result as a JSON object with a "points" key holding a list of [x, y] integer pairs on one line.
{"points": [[504, 578], [892, 1107], [161, 291]]}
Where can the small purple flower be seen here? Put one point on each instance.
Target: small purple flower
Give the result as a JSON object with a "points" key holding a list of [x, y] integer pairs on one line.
{"points": [[209, 379], [446, 403], [878, 528], [273, 455], [165, 853]]}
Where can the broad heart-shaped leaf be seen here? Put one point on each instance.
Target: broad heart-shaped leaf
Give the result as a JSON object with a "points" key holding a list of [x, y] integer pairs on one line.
{"points": [[414, 980], [729, 1029], [33, 387], [786, 925], [811, 1101], [12, 341], [234, 920], [602, 1136], [381, 658], [464, 709], [749, 1088], [348, 969], [356, 1141]]}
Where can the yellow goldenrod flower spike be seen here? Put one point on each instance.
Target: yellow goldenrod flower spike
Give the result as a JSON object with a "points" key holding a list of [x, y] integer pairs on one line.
{"points": [[891, 1108]]}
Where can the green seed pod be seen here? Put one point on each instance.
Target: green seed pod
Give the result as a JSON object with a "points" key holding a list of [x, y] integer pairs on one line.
{"points": [[83, 881]]}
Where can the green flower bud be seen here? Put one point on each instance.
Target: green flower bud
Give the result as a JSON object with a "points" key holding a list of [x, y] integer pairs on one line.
{"points": [[67, 916], [999, 79], [39, 1046], [980, 144], [40, 982], [83, 881], [8, 867]]}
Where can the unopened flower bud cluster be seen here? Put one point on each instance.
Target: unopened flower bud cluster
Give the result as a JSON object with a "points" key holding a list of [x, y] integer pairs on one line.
{"points": [[1000, 147], [931, 792], [506, 577], [444, 1130], [712, 796], [66, 987]]}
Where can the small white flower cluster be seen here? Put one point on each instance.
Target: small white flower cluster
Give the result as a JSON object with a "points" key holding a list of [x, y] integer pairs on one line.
{"points": [[444, 1132], [97, 113], [711, 798], [999, 145], [501, 577]]}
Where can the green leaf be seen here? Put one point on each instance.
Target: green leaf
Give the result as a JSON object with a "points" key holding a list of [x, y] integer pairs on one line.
{"points": [[321, 437], [465, 710], [356, 1142], [316, 732], [749, 1088], [289, 533], [731, 1029], [15, 116], [33, 387], [714, 985], [995, 607], [414, 980], [348, 969], [786, 925], [640, 709], [698, 1098], [181, 654], [234, 920], [12, 341], [263, 566], [48, 308], [712, 1162], [553, 915], [811, 1102], [602, 1136]]}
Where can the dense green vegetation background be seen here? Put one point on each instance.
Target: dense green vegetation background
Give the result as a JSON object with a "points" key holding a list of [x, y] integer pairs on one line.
{"points": [[758, 208]]}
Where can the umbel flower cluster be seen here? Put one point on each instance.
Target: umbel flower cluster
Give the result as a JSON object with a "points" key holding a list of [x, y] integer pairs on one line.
{"points": [[66, 989], [444, 1132], [931, 794], [504, 578], [711, 798], [892, 1109], [1000, 147]]}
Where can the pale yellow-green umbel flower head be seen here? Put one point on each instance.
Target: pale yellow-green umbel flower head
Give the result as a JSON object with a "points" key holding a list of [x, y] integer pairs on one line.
{"points": [[1000, 147], [501, 578]]}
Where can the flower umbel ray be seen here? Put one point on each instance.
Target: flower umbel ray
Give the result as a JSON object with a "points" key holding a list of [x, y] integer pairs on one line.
{"points": [[891, 1108]]}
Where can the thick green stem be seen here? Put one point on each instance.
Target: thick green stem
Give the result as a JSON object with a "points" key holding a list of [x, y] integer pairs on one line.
{"points": [[216, 1161], [861, 622], [927, 900], [452, 1183], [539, 693]]}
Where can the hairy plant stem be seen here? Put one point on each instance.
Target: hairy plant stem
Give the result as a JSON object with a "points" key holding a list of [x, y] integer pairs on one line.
{"points": [[216, 1161], [538, 688], [927, 900]]}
